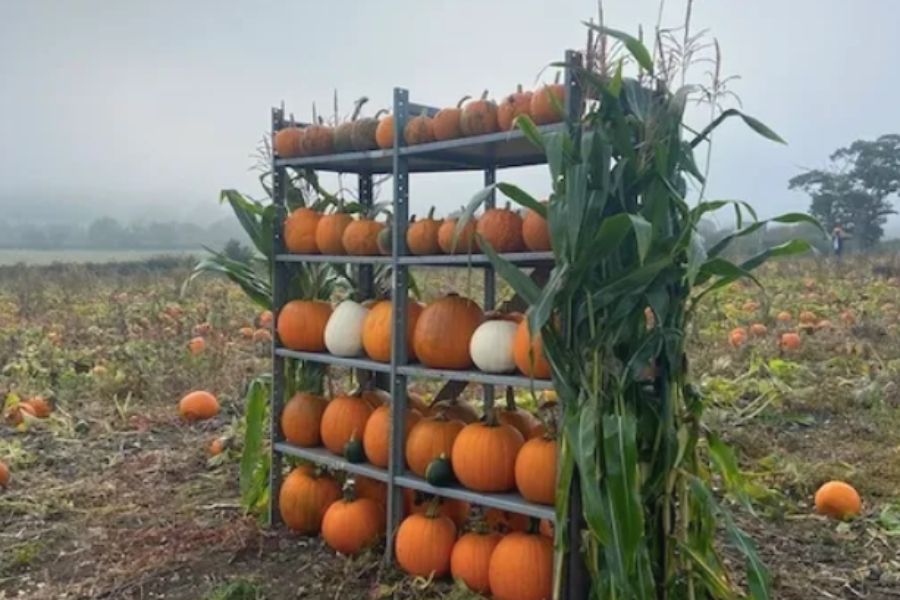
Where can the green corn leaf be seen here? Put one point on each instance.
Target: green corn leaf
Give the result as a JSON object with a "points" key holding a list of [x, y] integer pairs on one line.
{"points": [[555, 149], [575, 200], [790, 248], [643, 235], [540, 311], [615, 85], [758, 577], [785, 219], [583, 436], [634, 46], [255, 286], [726, 465], [522, 198], [517, 280], [726, 270], [253, 453], [711, 574], [529, 130], [753, 123], [469, 211]]}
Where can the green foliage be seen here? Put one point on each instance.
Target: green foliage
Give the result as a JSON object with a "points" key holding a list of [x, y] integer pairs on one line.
{"points": [[240, 589], [255, 459]]}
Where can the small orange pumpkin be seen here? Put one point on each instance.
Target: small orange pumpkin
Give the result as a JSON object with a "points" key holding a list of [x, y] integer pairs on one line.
{"points": [[535, 232], [301, 419], [442, 335], [838, 500], [41, 407], [197, 345], [529, 355], [536, 470], [377, 329], [419, 130], [446, 122], [521, 419], [471, 557], [301, 324], [521, 568], [376, 437], [361, 237], [217, 446], [4, 475], [807, 317], [384, 133], [287, 142], [343, 420], [429, 439], [737, 337], [466, 241], [479, 116], [197, 406], [352, 524], [759, 330], [502, 229], [330, 231], [424, 544], [547, 104], [305, 496], [784, 317], [422, 236], [790, 341], [484, 456], [518, 103]]}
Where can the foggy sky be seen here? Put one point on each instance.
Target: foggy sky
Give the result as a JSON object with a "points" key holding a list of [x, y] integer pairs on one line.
{"points": [[149, 108]]}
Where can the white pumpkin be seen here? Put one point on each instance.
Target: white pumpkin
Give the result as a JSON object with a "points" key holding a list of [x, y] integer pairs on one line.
{"points": [[343, 332], [491, 347]]}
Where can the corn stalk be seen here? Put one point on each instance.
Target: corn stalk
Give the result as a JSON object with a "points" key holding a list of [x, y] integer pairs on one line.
{"points": [[630, 271]]}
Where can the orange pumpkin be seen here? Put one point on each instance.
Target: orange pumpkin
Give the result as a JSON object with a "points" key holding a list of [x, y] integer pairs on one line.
{"points": [[759, 330], [344, 420], [362, 136], [374, 396], [521, 568], [300, 231], [503, 521], [301, 419], [456, 510], [41, 407], [518, 103], [304, 498], [529, 356], [442, 335], [419, 130], [784, 317], [790, 341], [519, 418], [384, 133], [196, 406], [288, 142], [502, 229], [547, 104], [807, 317], [372, 489], [301, 325], [265, 319], [471, 557], [424, 544], [377, 329], [422, 236], [352, 524], [484, 456], [376, 437], [361, 237], [536, 470], [197, 345], [535, 232], [737, 337], [454, 409], [317, 138], [479, 116], [330, 232], [429, 439], [838, 500], [465, 243], [217, 446], [4, 475], [446, 122]]}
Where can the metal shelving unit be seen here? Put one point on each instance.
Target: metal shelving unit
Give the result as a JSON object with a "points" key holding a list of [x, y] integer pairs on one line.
{"points": [[485, 153]]}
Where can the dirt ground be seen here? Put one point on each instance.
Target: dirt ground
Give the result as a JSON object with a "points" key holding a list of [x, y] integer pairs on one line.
{"points": [[114, 496]]}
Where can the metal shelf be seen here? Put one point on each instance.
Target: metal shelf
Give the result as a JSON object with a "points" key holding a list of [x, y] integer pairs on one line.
{"points": [[330, 359], [510, 502], [495, 150], [523, 259], [476, 377], [321, 456]]}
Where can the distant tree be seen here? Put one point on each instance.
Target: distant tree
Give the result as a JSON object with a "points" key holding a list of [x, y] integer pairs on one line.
{"points": [[855, 190], [106, 232], [237, 251]]}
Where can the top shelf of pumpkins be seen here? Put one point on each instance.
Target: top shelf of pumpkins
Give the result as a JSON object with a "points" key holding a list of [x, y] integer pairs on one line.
{"points": [[468, 118]]}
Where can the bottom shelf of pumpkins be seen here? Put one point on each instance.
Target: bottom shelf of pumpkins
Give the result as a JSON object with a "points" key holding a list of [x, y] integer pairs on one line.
{"points": [[504, 554]]}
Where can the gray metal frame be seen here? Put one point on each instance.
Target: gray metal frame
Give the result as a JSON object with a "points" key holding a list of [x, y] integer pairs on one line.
{"points": [[484, 153]]}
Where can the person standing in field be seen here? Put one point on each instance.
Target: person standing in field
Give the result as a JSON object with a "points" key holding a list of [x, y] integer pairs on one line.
{"points": [[837, 240]]}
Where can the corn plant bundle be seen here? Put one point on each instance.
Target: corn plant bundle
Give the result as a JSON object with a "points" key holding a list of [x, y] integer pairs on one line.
{"points": [[630, 269]]}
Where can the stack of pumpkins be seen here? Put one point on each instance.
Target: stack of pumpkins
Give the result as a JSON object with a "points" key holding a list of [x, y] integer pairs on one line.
{"points": [[309, 232], [450, 333], [472, 118]]}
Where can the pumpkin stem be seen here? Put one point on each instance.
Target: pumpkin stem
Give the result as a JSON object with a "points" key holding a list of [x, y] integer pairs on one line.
{"points": [[477, 521], [434, 508], [462, 101], [519, 88], [534, 526], [510, 399], [379, 113], [315, 118], [556, 77], [349, 489], [431, 214], [484, 95], [358, 107]]}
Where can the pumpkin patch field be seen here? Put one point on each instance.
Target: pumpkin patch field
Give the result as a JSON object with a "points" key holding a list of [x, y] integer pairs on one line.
{"points": [[122, 431]]}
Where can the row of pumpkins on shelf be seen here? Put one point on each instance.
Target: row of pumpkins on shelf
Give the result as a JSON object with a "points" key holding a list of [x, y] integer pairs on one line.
{"points": [[503, 554], [509, 449], [450, 333], [475, 117], [309, 232]]}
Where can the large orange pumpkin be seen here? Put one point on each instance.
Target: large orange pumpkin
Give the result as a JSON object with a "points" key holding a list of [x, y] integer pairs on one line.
{"points": [[424, 544], [429, 439], [344, 420], [378, 326], [518, 103], [457, 511], [529, 355], [300, 231], [384, 133], [376, 437], [422, 235], [446, 122], [521, 568], [330, 232], [362, 136], [547, 104], [502, 229], [536, 470], [196, 406], [484, 456], [471, 557], [535, 232], [304, 498], [442, 335], [317, 138], [301, 325], [419, 130], [352, 524], [301, 419], [465, 243], [360, 238], [479, 116], [288, 142]]}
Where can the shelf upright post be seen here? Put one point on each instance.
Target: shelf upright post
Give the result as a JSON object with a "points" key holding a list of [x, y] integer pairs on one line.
{"points": [[576, 584], [490, 282], [279, 279], [399, 291], [365, 273]]}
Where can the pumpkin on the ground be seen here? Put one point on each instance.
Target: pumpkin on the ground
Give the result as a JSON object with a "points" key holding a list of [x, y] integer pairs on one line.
{"points": [[301, 419], [442, 334], [548, 104], [4, 475], [429, 439], [536, 232], [330, 232], [301, 325], [471, 557], [517, 103], [344, 419], [464, 243], [378, 326], [343, 332], [300, 231], [352, 524], [479, 116], [521, 568], [484, 456], [376, 437], [529, 354], [305, 496], [343, 133], [422, 235], [196, 406], [502, 229], [41, 407], [446, 123], [362, 135], [838, 500], [424, 544]]}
